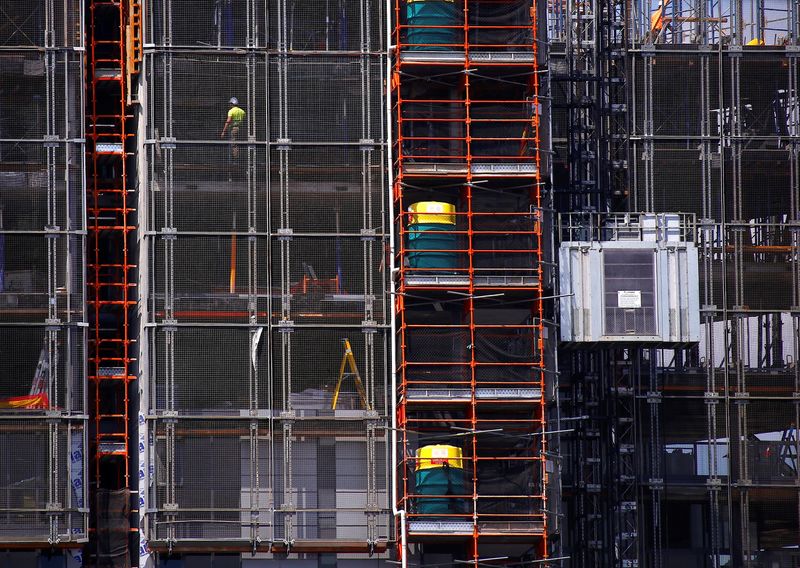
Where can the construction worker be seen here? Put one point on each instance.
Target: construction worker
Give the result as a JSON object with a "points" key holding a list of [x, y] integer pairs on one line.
{"points": [[657, 20], [235, 119]]}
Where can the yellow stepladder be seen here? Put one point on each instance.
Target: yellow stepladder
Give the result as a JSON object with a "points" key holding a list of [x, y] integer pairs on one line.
{"points": [[349, 359]]}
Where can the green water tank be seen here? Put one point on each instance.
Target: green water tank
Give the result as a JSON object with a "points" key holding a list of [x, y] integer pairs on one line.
{"points": [[438, 14], [440, 473]]}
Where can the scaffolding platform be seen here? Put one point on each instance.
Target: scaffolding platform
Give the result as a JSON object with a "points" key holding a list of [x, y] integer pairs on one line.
{"points": [[483, 169], [107, 73], [465, 395], [448, 280], [511, 528], [440, 527], [477, 57]]}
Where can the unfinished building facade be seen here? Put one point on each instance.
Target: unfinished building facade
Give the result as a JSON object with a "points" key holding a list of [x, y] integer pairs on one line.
{"points": [[686, 455], [43, 315], [265, 314]]}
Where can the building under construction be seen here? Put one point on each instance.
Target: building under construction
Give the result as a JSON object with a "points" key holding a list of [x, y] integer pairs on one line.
{"points": [[421, 283], [684, 447]]}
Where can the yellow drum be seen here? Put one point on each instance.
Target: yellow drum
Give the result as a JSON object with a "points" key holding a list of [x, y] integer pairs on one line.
{"points": [[432, 212], [439, 456]]}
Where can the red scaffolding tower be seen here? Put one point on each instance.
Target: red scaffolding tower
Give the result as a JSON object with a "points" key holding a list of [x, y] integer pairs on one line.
{"points": [[468, 220], [113, 34]]}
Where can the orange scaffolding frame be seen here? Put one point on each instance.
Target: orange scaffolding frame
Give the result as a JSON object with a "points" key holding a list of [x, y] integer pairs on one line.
{"points": [[467, 118], [111, 278]]}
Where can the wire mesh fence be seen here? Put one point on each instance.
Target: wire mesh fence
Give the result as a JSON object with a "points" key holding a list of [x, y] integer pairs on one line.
{"points": [[207, 371], [267, 268], [42, 369], [691, 22], [43, 344], [42, 488], [313, 377], [237, 480], [45, 93], [712, 133], [34, 24], [42, 278], [42, 186], [190, 96], [329, 98], [326, 26], [205, 188], [351, 180], [219, 25]]}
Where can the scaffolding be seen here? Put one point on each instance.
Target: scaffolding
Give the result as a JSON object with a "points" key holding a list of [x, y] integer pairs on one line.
{"points": [[112, 54], [469, 224], [263, 230], [709, 428], [43, 339]]}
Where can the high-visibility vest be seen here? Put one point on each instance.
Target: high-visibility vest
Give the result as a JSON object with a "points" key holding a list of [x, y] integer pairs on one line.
{"points": [[657, 17], [236, 115]]}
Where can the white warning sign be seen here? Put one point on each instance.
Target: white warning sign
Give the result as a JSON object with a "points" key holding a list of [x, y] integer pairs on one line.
{"points": [[629, 299]]}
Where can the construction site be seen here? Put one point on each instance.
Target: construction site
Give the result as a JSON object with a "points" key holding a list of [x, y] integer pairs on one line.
{"points": [[413, 283]]}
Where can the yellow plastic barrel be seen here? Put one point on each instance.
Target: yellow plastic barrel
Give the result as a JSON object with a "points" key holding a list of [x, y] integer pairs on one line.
{"points": [[432, 212], [438, 456]]}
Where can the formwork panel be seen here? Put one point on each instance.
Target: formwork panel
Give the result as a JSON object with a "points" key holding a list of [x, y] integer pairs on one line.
{"points": [[189, 95], [208, 371], [227, 24], [217, 293], [25, 24], [205, 188], [51, 360], [30, 201], [331, 189], [41, 483], [306, 367], [327, 99], [42, 277]]}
